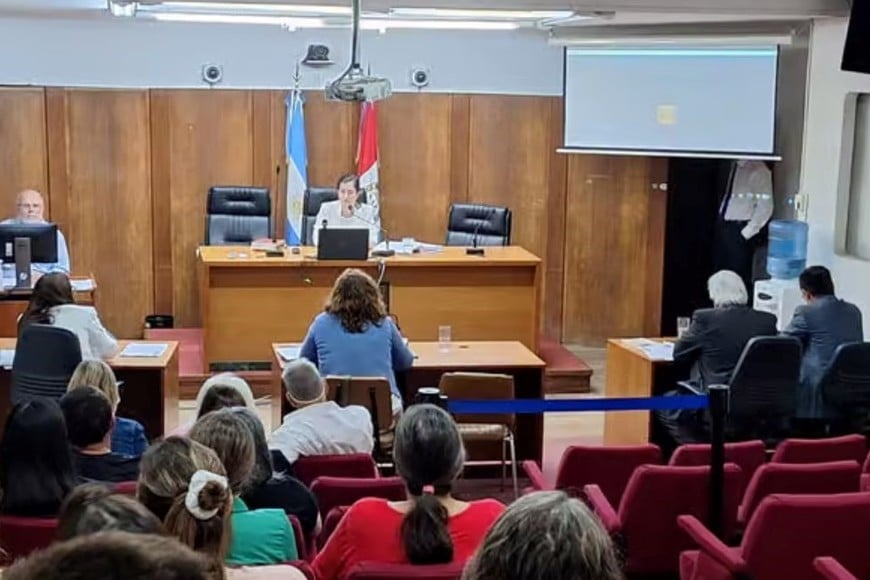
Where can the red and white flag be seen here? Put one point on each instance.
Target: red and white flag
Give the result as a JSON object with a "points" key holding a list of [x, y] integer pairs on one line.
{"points": [[367, 157]]}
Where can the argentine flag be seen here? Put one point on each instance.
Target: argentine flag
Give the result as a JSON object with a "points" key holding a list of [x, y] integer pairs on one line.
{"points": [[297, 167]]}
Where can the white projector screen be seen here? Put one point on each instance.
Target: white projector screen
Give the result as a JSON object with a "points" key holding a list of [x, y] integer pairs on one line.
{"points": [[706, 101]]}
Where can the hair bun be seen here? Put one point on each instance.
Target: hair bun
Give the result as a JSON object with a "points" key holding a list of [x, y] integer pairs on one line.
{"points": [[212, 496]]}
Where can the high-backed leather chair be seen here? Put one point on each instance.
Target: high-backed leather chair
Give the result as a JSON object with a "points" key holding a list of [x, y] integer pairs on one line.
{"points": [[45, 358], [237, 215], [314, 198], [490, 225], [845, 388]]}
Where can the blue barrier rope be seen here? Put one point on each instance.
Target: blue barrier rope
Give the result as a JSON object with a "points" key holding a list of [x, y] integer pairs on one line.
{"points": [[535, 406]]}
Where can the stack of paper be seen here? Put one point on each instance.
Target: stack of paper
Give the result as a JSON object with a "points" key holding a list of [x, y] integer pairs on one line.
{"points": [[144, 350], [663, 351], [83, 285], [289, 352], [6, 358]]}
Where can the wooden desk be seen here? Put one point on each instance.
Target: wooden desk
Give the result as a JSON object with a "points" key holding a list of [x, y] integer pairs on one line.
{"points": [[249, 301], [13, 303], [149, 394], [630, 373], [508, 357]]}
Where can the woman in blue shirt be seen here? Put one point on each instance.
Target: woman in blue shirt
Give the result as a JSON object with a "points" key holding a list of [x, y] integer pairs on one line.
{"points": [[353, 336]]}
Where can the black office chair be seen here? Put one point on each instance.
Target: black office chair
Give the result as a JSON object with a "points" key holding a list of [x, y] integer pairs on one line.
{"points": [[490, 225], [45, 358], [845, 389], [237, 215], [763, 389], [311, 202]]}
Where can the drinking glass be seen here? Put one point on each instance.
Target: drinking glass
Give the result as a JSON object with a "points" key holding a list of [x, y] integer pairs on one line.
{"points": [[444, 338], [683, 323]]}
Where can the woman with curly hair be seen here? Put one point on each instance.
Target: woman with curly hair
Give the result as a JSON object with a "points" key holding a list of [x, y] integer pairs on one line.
{"points": [[354, 336]]}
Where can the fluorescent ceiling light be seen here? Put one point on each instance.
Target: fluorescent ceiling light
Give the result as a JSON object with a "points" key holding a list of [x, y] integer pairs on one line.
{"points": [[482, 14], [122, 10], [241, 7], [383, 24], [238, 19]]}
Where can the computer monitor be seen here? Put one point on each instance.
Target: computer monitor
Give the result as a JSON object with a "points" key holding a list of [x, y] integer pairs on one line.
{"points": [[343, 244], [25, 243]]}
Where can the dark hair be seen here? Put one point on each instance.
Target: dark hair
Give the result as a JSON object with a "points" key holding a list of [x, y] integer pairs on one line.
{"points": [[88, 415], [227, 434], [93, 508], [816, 281], [348, 178], [427, 451], [116, 555], [36, 469], [220, 397], [263, 467], [49, 291], [356, 301], [545, 535]]}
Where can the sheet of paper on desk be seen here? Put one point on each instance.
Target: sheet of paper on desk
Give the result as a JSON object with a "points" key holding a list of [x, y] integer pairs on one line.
{"points": [[663, 351], [6, 358], [144, 350], [83, 285], [289, 352]]}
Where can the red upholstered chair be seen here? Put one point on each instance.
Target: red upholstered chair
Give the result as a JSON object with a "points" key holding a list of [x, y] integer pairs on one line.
{"points": [[378, 571], [784, 537], [609, 468], [830, 569], [338, 491], [747, 455], [798, 478], [125, 488], [646, 521], [845, 448], [306, 548], [865, 482], [21, 536], [330, 522], [361, 465]]}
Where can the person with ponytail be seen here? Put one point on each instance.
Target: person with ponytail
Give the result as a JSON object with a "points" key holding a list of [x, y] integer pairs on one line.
{"points": [[185, 485], [430, 527]]}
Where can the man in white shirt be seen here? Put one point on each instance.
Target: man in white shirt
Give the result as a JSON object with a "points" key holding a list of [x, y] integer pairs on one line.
{"points": [[318, 426], [347, 212], [745, 209], [30, 208]]}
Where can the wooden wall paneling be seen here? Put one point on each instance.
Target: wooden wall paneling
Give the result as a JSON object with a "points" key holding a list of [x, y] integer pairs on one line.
{"points": [[614, 230], [554, 271], [208, 137], [655, 246], [415, 165], [101, 183], [509, 162], [331, 130], [24, 158], [459, 144], [161, 202], [265, 127], [278, 158]]}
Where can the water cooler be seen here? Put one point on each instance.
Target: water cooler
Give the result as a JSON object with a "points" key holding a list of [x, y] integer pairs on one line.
{"points": [[786, 259]]}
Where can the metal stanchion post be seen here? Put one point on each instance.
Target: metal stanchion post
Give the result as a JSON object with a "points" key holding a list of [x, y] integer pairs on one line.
{"points": [[718, 397]]}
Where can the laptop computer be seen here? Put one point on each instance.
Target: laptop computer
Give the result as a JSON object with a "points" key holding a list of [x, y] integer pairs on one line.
{"points": [[343, 244]]}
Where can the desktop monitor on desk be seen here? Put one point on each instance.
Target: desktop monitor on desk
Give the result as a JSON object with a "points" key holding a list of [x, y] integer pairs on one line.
{"points": [[26, 243], [343, 244]]}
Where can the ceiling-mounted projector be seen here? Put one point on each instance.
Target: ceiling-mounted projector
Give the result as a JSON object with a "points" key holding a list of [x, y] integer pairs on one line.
{"points": [[353, 85]]}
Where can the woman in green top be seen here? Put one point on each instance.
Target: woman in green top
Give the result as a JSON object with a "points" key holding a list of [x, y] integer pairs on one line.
{"points": [[261, 536]]}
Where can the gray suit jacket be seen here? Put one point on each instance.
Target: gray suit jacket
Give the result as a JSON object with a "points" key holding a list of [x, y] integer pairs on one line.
{"points": [[716, 339], [821, 326]]}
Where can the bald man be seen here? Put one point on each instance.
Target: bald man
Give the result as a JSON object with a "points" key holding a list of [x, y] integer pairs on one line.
{"points": [[30, 209]]}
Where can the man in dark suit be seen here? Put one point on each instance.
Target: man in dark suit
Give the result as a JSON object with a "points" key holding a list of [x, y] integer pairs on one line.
{"points": [[822, 324], [713, 345]]}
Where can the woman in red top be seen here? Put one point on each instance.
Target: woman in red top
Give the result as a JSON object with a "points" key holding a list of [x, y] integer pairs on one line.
{"points": [[428, 528]]}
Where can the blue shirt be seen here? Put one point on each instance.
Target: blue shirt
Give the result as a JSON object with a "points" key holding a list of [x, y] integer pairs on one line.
{"points": [[377, 351], [128, 437], [62, 264]]}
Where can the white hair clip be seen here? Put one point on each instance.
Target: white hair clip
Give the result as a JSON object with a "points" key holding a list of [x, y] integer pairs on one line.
{"points": [[197, 482]]}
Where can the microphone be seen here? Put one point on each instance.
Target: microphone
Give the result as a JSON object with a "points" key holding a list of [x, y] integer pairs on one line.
{"points": [[387, 253], [474, 250]]}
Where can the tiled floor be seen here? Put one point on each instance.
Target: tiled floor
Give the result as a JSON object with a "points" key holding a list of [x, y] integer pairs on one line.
{"points": [[560, 429]]}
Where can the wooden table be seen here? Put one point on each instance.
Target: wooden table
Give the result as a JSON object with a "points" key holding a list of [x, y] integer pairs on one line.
{"points": [[248, 301], [632, 373], [14, 301], [149, 393], [508, 357]]}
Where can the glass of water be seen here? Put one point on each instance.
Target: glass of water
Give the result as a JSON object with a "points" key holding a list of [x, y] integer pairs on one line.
{"points": [[683, 323], [444, 337]]}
